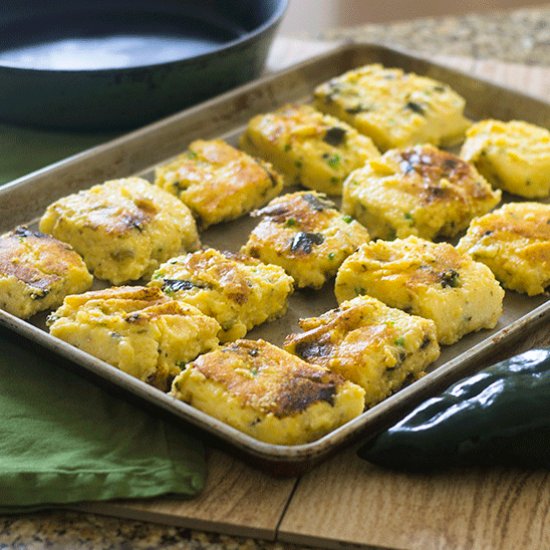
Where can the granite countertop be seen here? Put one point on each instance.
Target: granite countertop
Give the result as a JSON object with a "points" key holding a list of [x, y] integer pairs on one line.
{"points": [[521, 36], [518, 36]]}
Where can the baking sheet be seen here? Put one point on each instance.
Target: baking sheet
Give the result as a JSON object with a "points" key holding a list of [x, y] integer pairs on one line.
{"points": [[135, 154]]}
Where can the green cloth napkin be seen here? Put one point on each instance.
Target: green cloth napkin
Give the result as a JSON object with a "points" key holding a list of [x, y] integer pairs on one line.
{"points": [[62, 438]]}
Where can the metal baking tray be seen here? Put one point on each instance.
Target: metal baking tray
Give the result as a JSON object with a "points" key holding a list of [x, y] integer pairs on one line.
{"points": [[24, 200]]}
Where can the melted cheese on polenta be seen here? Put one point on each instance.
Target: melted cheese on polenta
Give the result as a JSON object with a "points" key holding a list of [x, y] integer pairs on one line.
{"points": [[514, 156], [427, 279], [394, 108], [420, 191], [268, 393], [309, 148], [514, 242]]}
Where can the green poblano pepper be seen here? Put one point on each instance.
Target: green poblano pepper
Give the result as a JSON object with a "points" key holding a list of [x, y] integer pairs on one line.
{"points": [[501, 415]]}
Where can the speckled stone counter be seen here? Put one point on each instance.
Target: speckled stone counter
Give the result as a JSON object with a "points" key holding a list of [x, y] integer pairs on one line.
{"points": [[521, 36]]}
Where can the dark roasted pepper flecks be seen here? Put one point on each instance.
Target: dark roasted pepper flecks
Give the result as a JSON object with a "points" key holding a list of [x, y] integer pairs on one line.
{"points": [[500, 415]]}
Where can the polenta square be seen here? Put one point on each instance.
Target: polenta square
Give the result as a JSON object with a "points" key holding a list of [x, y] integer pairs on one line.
{"points": [[394, 108], [420, 191], [514, 156], [37, 272], [123, 228], [514, 242], [268, 393], [238, 291], [309, 148], [218, 182], [305, 234], [136, 329], [369, 343], [427, 279]]}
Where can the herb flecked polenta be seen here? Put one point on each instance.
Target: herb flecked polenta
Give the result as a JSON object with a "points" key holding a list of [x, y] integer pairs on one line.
{"points": [[312, 149], [218, 182], [305, 234], [238, 291], [420, 191], [136, 329], [431, 280], [514, 156], [123, 228], [268, 393], [37, 271], [514, 242], [369, 343], [394, 108]]}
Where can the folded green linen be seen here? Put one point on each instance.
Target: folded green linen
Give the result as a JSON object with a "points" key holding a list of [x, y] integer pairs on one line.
{"points": [[63, 439]]}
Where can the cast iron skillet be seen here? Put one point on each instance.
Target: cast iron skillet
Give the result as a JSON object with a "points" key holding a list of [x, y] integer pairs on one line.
{"points": [[102, 64]]}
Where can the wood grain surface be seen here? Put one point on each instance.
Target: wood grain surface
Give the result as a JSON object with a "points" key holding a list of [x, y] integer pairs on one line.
{"points": [[237, 500], [346, 501]]}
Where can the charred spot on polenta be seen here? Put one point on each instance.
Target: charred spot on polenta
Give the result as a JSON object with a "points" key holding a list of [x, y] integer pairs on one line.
{"points": [[305, 234], [421, 191], [238, 291], [37, 271], [268, 393], [307, 147], [368, 343]]}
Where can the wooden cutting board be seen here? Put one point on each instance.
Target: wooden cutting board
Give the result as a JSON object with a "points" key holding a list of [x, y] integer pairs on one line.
{"points": [[347, 501]]}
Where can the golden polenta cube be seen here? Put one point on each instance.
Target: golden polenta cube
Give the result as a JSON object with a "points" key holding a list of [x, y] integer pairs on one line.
{"points": [[514, 242], [427, 279], [305, 234], [420, 191], [238, 291], [37, 272], [218, 182], [394, 108], [136, 329], [315, 150], [369, 343], [514, 156], [268, 393], [123, 228]]}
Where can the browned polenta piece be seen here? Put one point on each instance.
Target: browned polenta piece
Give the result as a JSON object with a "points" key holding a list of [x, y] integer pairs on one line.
{"points": [[369, 343], [420, 191], [268, 393], [218, 182], [514, 242], [122, 228], [136, 329], [37, 272], [305, 234], [238, 291], [428, 279]]}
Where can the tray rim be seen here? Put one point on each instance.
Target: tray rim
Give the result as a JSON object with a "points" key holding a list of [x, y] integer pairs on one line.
{"points": [[245, 443]]}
